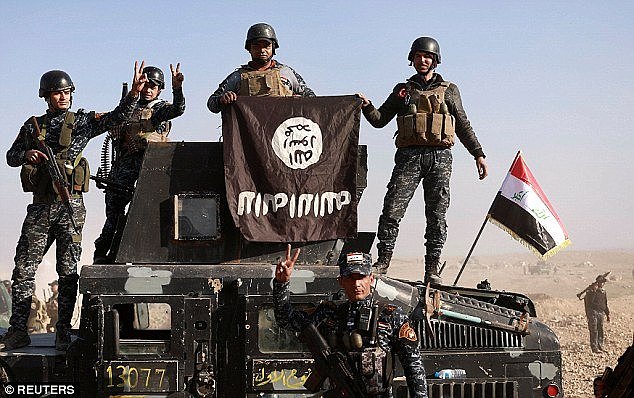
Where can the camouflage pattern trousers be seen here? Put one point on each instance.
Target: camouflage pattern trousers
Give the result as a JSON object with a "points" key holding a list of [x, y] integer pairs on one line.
{"points": [[43, 225], [412, 164], [125, 171], [595, 327]]}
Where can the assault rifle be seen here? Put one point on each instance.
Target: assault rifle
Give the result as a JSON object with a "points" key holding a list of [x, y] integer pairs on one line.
{"points": [[584, 291], [329, 364], [60, 185]]}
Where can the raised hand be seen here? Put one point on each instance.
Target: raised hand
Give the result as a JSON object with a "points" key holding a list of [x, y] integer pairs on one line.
{"points": [[140, 78], [177, 76], [285, 267]]}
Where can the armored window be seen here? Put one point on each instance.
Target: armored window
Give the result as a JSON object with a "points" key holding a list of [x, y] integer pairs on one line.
{"points": [[144, 328], [196, 217], [272, 338]]}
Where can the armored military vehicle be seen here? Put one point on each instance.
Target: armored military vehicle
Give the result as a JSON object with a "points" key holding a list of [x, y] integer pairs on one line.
{"points": [[186, 308]]}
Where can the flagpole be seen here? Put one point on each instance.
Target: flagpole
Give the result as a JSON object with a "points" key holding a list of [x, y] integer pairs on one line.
{"points": [[471, 250]]}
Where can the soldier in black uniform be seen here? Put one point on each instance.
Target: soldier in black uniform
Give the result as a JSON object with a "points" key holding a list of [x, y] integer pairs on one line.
{"points": [[47, 219], [339, 323], [596, 305], [149, 123], [262, 76], [429, 114]]}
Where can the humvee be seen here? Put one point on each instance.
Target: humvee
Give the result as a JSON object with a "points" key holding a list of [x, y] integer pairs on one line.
{"points": [[186, 308]]}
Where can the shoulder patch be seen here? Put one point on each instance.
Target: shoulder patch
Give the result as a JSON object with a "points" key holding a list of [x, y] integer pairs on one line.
{"points": [[389, 308], [407, 332]]}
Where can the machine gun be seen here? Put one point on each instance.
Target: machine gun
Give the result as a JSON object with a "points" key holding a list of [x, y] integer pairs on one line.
{"points": [[60, 185], [108, 156], [329, 364], [581, 294]]}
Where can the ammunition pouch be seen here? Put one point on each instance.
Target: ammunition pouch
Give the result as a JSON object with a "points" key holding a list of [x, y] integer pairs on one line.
{"points": [[374, 367], [428, 122], [263, 83], [140, 131], [30, 176], [81, 176]]}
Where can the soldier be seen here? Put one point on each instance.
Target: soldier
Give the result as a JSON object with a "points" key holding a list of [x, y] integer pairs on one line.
{"points": [[262, 75], [148, 123], [37, 316], [339, 323], [47, 218], [596, 305], [52, 306], [429, 112]]}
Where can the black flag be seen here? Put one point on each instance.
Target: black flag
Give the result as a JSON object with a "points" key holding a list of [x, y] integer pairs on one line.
{"points": [[291, 165]]}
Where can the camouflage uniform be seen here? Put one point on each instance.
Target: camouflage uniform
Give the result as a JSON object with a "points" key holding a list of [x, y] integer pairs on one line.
{"points": [[37, 317], [46, 218], [52, 310], [431, 164], [596, 306], [291, 79], [339, 319], [126, 169]]}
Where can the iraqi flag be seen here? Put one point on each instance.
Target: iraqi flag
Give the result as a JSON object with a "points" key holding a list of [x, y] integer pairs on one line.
{"points": [[522, 209]]}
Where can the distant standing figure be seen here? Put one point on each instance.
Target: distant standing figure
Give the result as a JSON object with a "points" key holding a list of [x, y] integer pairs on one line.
{"points": [[51, 306], [37, 316], [596, 304]]}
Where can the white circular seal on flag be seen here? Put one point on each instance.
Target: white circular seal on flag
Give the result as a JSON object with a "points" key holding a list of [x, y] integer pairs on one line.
{"points": [[298, 142]]}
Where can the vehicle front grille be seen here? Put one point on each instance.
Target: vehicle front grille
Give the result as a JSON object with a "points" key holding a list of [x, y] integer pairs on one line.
{"points": [[472, 389], [458, 335]]}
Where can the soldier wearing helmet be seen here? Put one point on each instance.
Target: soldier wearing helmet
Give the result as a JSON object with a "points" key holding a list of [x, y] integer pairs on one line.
{"points": [[596, 306], [150, 122], [67, 133], [349, 326], [429, 114], [262, 76], [52, 306]]}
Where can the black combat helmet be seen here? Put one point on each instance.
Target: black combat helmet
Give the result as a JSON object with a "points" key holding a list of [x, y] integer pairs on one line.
{"points": [[425, 44], [155, 75], [261, 31], [55, 80]]}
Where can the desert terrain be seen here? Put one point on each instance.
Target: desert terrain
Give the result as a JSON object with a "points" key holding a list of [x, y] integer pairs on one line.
{"points": [[554, 294]]}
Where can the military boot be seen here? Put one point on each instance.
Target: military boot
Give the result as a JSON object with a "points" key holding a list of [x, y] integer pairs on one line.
{"points": [[382, 262], [100, 256], [14, 338], [431, 271]]}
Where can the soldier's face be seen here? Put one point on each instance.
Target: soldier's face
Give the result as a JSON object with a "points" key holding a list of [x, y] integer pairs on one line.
{"points": [[261, 51], [150, 91], [423, 62], [59, 100], [356, 286]]}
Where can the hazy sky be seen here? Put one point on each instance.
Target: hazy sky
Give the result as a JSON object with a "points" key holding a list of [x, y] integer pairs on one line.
{"points": [[551, 78]]}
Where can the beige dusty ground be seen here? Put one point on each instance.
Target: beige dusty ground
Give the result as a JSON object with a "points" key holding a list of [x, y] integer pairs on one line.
{"points": [[556, 302]]}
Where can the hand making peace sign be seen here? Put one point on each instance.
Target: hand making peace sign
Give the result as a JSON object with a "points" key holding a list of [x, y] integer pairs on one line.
{"points": [[139, 80], [285, 268], [177, 76]]}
